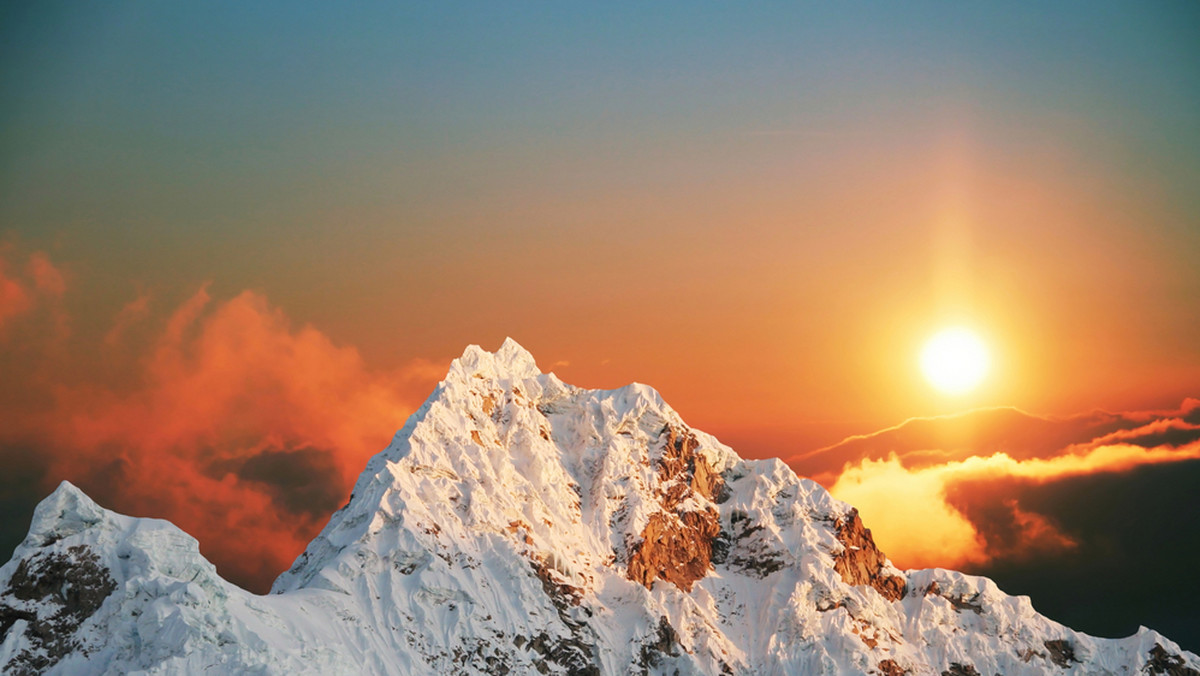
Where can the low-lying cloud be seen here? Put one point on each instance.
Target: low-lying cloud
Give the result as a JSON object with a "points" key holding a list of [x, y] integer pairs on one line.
{"points": [[981, 432], [1095, 516], [913, 515]]}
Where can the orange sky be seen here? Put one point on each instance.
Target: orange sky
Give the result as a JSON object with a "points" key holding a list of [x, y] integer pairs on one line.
{"points": [[764, 223]]}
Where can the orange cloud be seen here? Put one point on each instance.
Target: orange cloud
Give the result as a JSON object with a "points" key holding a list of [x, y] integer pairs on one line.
{"points": [[14, 297], [244, 430], [1164, 432], [133, 312], [979, 432], [242, 372], [19, 294], [1035, 533], [915, 522], [46, 277], [909, 515]]}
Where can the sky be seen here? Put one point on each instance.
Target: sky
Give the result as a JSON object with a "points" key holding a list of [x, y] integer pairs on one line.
{"points": [[240, 243]]}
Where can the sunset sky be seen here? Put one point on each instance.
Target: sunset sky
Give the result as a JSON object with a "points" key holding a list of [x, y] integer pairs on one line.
{"points": [[241, 242]]}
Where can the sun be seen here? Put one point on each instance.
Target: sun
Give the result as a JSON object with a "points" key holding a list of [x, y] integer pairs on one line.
{"points": [[955, 360]]}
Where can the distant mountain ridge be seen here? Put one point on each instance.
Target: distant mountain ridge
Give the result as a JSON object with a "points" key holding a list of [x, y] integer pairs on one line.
{"points": [[520, 525]]}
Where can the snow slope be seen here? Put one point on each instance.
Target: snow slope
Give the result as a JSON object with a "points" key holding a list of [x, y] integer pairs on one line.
{"points": [[520, 525]]}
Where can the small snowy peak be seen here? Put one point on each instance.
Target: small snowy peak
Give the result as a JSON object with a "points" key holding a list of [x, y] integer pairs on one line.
{"points": [[69, 521], [516, 359], [510, 362], [63, 513], [69, 592]]}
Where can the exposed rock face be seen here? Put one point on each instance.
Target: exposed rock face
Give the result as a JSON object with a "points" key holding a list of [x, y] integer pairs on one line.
{"points": [[681, 463], [861, 563], [1163, 662], [55, 592], [675, 548], [682, 470], [677, 543], [663, 643], [745, 547], [960, 602], [892, 668], [1062, 653], [569, 655]]}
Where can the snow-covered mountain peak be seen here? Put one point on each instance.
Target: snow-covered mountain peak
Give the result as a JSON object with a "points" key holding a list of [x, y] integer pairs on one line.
{"points": [[517, 524], [63, 513], [510, 362], [501, 448]]}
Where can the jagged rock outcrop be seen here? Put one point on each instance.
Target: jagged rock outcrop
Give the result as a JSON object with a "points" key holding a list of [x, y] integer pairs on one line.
{"points": [[519, 525], [48, 597], [860, 561], [1061, 652], [677, 543], [1164, 662]]}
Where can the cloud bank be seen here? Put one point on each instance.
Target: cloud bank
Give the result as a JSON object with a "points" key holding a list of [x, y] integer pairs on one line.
{"points": [[244, 430], [1095, 516], [923, 515]]}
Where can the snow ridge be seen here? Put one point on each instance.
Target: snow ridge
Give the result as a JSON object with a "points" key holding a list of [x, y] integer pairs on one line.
{"points": [[517, 524]]}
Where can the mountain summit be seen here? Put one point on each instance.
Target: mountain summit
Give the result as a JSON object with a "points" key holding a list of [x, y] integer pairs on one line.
{"points": [[520, 525]]}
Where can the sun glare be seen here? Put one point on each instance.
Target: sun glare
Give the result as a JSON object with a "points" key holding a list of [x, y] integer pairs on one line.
{"points": [[955, 360]]}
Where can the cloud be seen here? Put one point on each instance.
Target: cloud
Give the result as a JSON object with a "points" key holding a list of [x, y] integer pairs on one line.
{"points": [[239, 372], [1137, 538], [908, 479], [47, 278], [1173, 432], [1094, 516], [21, 293], [131, 313], [980, 432], [1190, 411], [241, 428], [270, 424], [1006, 530], [296, 479], [14, 297], [918, 518]]}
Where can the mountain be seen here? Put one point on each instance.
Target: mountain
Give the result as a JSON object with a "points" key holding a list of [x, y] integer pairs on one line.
{"points": [[519, 525]]}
